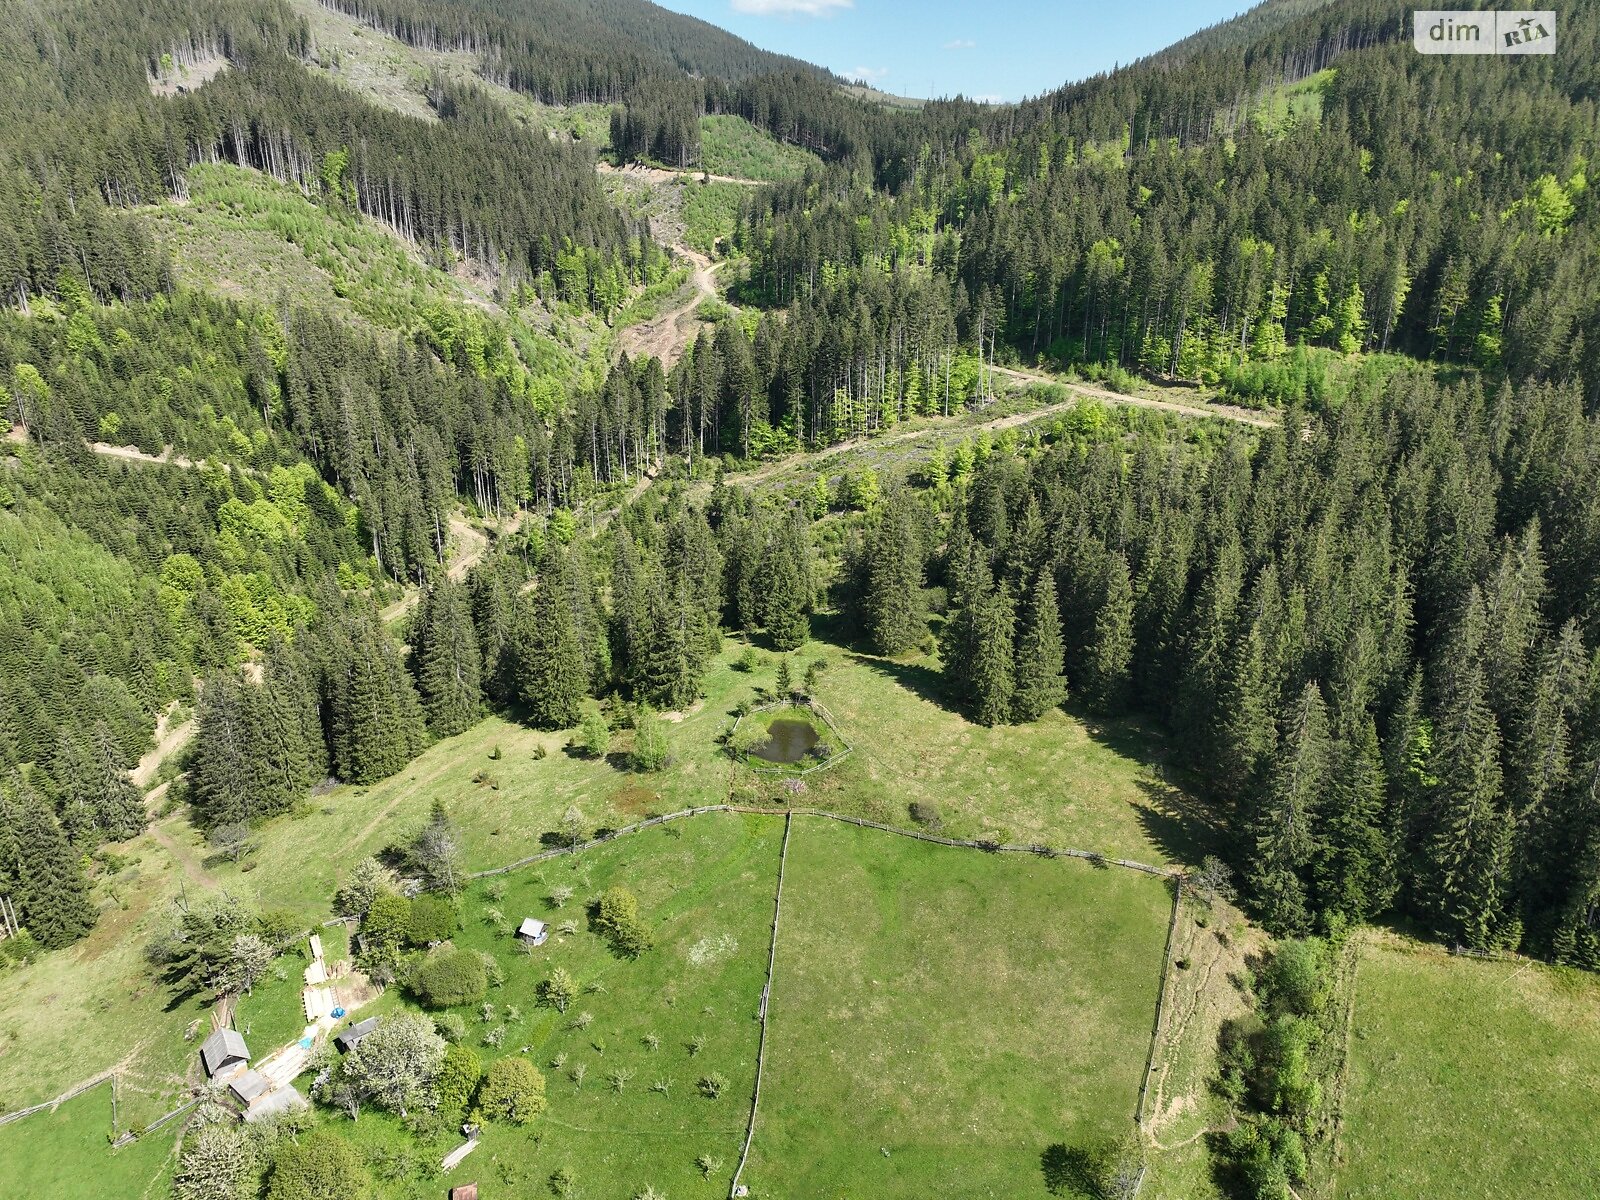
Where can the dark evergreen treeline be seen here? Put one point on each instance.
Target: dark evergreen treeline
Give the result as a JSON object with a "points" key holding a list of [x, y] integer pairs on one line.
{"points": [[1371, 637], [1184, 221], [475, 184], [535, 635]]}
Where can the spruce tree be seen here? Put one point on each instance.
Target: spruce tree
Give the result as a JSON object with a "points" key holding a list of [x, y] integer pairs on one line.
{"points": [[993, 680], [1248, 733], [1110, 660], [629, 620], [891, 597], [222, 777], [1467, 855], [97, 800], [448, 661], [376, 716], [52, 895], [1280, 837], [552, 666], [1576, 937], [1040, 672], [785, 601], [1355, 854], [669, 679], [287, 739]]}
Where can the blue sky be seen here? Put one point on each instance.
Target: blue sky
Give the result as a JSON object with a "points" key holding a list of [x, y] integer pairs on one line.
{"points": [[996, 49]]}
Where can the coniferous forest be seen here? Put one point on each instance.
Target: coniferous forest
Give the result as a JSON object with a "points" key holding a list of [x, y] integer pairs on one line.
{"points": [[1363, 620]]}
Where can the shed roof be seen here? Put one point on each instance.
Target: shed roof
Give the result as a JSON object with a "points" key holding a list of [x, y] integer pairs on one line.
{"points": [[222, 1047], [531, 927], [466, 1191], [349, 1038], [249, 1085]]}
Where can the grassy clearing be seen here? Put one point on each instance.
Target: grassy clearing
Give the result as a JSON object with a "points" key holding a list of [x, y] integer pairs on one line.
{"points": [[1057, 781], [734, 147], [77, 1012], [940, 1017], [1470, 1079], [65, 1155], [706, 888], [273, 1014]]}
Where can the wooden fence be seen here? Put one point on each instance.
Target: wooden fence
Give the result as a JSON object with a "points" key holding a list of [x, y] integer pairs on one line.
{"points": [[815, 706], [766, 997]]}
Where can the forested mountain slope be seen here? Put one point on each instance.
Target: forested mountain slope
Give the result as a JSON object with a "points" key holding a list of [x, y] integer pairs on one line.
{"points": [[1276, 213]]}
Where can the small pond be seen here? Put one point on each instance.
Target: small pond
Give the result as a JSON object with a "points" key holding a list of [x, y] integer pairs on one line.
{"points": [[788, 741]]}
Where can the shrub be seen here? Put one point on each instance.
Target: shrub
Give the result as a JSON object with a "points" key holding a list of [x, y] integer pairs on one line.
{"points": [[711, 1085], [386, 928], [452, 1028], [1297, 979], [594, 732], [432, 919], [557, 991], [318, 1166], [450, 979], [651, 751], [617, 919], [458, 1077], [925, 814], [513, 1091]]}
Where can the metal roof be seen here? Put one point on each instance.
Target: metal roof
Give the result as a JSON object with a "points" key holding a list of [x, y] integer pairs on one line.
{"points": [[222, 1047]]}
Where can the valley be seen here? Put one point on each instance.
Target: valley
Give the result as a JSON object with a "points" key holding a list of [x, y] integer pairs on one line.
{"points": [[640, 620]]}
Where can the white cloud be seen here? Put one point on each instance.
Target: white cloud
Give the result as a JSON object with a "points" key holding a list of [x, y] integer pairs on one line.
{"points": [[791, 8], [960, 44], [866, 74], [989, 98]]}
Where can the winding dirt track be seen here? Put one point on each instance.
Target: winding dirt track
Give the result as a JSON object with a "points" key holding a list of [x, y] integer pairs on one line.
{"points": [[664, 336]]}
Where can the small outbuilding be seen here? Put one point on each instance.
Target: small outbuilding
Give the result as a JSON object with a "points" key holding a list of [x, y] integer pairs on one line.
{"points": [[467, 1191], [350, 1038], [533, 931], [222, 1052], [249, 1086]]}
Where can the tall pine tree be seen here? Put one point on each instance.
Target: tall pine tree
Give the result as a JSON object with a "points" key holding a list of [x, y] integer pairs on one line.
{"points": [[1041, 681], [447, 660]]}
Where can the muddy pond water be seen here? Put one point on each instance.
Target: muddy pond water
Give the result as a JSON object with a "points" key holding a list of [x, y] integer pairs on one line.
{"points": [[788, 741]]}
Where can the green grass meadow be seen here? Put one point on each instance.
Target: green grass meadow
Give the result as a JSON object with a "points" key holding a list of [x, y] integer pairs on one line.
{"points": [[940, 1016], [97, 1005], [65, 1155], [1468, 1079]]}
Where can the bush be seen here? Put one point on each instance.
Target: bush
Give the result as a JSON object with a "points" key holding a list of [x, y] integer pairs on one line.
{"points": [[452, 1028], [1297, 980], [925, 814], [711, 1085], [594, 732], [432, 919], [458, 1077], [650, 749], [451, 978], [318, 1166], [617, 919], [386, 928], [513, 1091]]}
